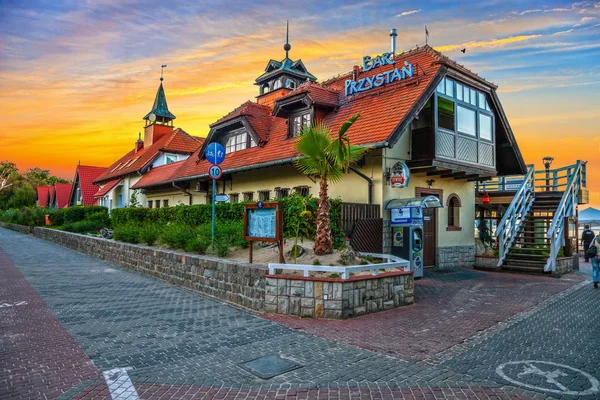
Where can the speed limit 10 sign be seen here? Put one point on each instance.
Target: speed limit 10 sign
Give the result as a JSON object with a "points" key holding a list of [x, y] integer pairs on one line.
{"points": [[215, 172]]}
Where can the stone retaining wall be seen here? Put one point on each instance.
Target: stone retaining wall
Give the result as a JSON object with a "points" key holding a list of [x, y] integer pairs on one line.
{"points": [[14, 227], [564, 265], [336, 298], [455, 256], [236, 282], [487, 262]]}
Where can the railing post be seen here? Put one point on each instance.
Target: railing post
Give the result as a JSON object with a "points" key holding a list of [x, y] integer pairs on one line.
{"points": [[583, 175], [503, 180], [555, 181]]}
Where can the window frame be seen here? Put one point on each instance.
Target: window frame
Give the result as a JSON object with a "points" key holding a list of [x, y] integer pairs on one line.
{"points": [[234, 197], [453, 205], [264, 195], [150, 203], [300, 114], [239, 146], [248, 196], [165, 203]]}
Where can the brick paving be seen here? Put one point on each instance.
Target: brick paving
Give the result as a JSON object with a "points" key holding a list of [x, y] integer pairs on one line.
{"points": [[38, 357], [450, 306], [181, 345]]}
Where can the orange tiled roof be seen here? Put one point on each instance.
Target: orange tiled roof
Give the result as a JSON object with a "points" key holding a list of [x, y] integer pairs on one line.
{"points": [[319, 94], [177, 141], [62, 193], [158, 175], [87, 174], [107, 188]]}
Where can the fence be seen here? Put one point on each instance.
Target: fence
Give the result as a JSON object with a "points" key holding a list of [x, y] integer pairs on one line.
{"points": [[351, 212]]}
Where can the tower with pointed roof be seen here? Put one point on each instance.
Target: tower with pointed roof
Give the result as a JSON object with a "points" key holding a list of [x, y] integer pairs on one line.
{"points": [[281, 77], [159, 121]]}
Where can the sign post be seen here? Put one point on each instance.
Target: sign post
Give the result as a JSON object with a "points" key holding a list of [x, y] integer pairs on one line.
{"points": [[215, 154], [264, 222]]}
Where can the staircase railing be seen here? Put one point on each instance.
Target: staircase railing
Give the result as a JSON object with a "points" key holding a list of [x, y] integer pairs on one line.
{"points": [[508, 227], [566, 208]]}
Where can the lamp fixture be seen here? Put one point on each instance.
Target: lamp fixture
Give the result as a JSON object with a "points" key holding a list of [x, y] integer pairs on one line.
{"points": [[486, 198], [547, 161], [430, 182]]}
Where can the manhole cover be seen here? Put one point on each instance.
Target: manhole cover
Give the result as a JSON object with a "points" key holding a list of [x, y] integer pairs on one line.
{"points": [[269, 366]]}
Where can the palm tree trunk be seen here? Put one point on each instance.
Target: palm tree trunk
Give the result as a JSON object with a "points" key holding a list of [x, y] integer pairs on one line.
{"points": [[323, 242]]}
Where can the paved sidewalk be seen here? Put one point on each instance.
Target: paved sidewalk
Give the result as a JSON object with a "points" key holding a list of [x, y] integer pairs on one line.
{"points": [[451, 305], [174, 343]]}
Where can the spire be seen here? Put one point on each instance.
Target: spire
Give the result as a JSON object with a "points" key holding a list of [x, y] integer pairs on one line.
{"points": [[160, 111], [287, 47]]}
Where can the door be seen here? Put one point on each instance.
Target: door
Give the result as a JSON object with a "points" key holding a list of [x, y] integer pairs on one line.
{"points": [[429, 236]]}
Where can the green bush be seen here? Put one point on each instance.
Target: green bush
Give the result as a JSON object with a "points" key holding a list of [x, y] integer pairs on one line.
{"points": [[222, 248], [149, 233], [100, 218], [176, 235], [127, 233], [73, 214], [82, 227], [28, 216], [198, 244], [57, 218]]}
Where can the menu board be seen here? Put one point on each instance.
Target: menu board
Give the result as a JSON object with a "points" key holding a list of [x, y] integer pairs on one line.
{"points": [[262, 223]]}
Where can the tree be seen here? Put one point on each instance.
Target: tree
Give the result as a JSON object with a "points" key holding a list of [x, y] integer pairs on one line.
{"points": [[326, 160], [7, 171]]}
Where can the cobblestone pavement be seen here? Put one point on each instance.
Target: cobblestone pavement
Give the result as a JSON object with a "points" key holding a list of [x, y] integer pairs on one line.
{"points": [[178, 344]]}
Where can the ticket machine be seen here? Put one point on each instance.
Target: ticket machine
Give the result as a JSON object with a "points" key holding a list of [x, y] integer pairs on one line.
{"points": [[406, 220]]}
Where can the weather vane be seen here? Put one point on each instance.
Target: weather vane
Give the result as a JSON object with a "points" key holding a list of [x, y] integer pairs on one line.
{"points": [[162, 67]]}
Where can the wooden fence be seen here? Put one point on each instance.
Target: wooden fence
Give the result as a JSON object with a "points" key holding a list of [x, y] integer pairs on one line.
{"points": [[352, 212]]}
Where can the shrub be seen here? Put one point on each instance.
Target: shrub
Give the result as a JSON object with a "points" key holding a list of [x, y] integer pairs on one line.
{"points": [[100, 218], [222, 248], [177, 235], [199, 245], [316, 261], [81, 227], [73, 214], [57, 218], [127, 233], [149, 233]]}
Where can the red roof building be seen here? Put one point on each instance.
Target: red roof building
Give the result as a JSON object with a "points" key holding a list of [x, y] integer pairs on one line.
{"points": [[83, 189], [43, 196], [62, 193]]}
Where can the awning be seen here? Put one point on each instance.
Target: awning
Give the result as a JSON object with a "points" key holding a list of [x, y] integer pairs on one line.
{"points": [[110, 185], [423, 202]]}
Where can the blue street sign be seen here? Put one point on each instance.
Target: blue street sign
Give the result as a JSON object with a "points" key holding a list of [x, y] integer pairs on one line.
{"points": [[215, 172], [214, 153], [221, 198]]}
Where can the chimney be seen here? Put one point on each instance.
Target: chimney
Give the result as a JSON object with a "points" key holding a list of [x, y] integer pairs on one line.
{"points": [[393, 34], [355, 72], [139, 144]]}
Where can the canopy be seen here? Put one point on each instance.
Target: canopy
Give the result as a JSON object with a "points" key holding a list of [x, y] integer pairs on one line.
{"points": [[423, 202], [589, 216]]}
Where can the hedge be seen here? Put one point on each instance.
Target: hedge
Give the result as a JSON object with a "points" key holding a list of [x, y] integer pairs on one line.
{"points": [[201, 214], [70, 215], [29, 216]]}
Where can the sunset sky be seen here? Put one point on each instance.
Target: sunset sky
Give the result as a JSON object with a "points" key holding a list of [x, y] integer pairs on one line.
{"points": [[78, 76]]}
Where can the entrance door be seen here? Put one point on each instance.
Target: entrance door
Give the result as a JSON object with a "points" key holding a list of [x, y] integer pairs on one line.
{"points": [[429, 237]]}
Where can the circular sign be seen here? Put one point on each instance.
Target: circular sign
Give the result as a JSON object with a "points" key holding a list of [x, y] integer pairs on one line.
{"points": [[418, 262], [549, 377], [260, 204], [215, 172], [215, 153], [399, 176]]}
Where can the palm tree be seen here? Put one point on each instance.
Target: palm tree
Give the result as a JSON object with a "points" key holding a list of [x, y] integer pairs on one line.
{"points": [[326, 160]]}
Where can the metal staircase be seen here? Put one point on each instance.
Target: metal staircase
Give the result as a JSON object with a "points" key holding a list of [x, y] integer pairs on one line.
{"points": [[531, 233]]}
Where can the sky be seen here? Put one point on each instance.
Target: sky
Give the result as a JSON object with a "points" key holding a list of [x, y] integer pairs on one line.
{"points": [[78, 76]]}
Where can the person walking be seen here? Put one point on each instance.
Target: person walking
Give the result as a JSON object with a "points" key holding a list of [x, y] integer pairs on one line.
{"points": [[586, 238], [596, 261]]}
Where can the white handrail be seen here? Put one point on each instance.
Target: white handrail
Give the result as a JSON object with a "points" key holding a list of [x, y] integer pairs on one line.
{"points": [[566, 208], [393, 262], [513, 217]]}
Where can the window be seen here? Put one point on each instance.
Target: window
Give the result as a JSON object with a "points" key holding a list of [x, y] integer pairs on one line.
{"points": [[445, 113], [234, 197], [459, 91], [466, 120], [264, 195], [290, 84], [449, 88], [170, 158], [265, 88], [485, 126], [157, 204], [302, 190], [473, 97], [280, 193], [300, 121], [441, 87], [481, 100], [248, 196], [453, 205], [165, 203], [277, 84], [149, 203], [240, 141]]}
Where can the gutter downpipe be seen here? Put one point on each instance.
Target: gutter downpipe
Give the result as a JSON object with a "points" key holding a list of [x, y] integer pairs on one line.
{"points": [[357, 172], [184, 192]]}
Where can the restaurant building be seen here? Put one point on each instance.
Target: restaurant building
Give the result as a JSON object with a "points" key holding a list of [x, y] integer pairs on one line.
{"points": [[433, 127]]}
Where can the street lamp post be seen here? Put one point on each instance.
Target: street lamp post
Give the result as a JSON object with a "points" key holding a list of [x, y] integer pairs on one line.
{"points": [[547, 162]]}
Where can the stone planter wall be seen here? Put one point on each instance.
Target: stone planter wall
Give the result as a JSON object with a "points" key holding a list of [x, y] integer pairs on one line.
{"points": [[487, 262], [336, 298], [19, 228], [564, 265], [236, 282], [455, 256]]}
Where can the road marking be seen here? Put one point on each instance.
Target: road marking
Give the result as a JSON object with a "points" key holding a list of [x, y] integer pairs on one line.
{"points": [[18, 303], [119, 384], [551, 375]]}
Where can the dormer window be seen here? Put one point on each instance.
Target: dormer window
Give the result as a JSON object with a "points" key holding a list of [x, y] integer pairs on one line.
{"points": [[265, 88], [298, 121], [277, 84], [290, 84], [170, 158], [239, 141]]}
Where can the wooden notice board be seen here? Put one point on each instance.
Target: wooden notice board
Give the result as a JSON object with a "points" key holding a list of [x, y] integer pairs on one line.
{"points": [[263, 222]]}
